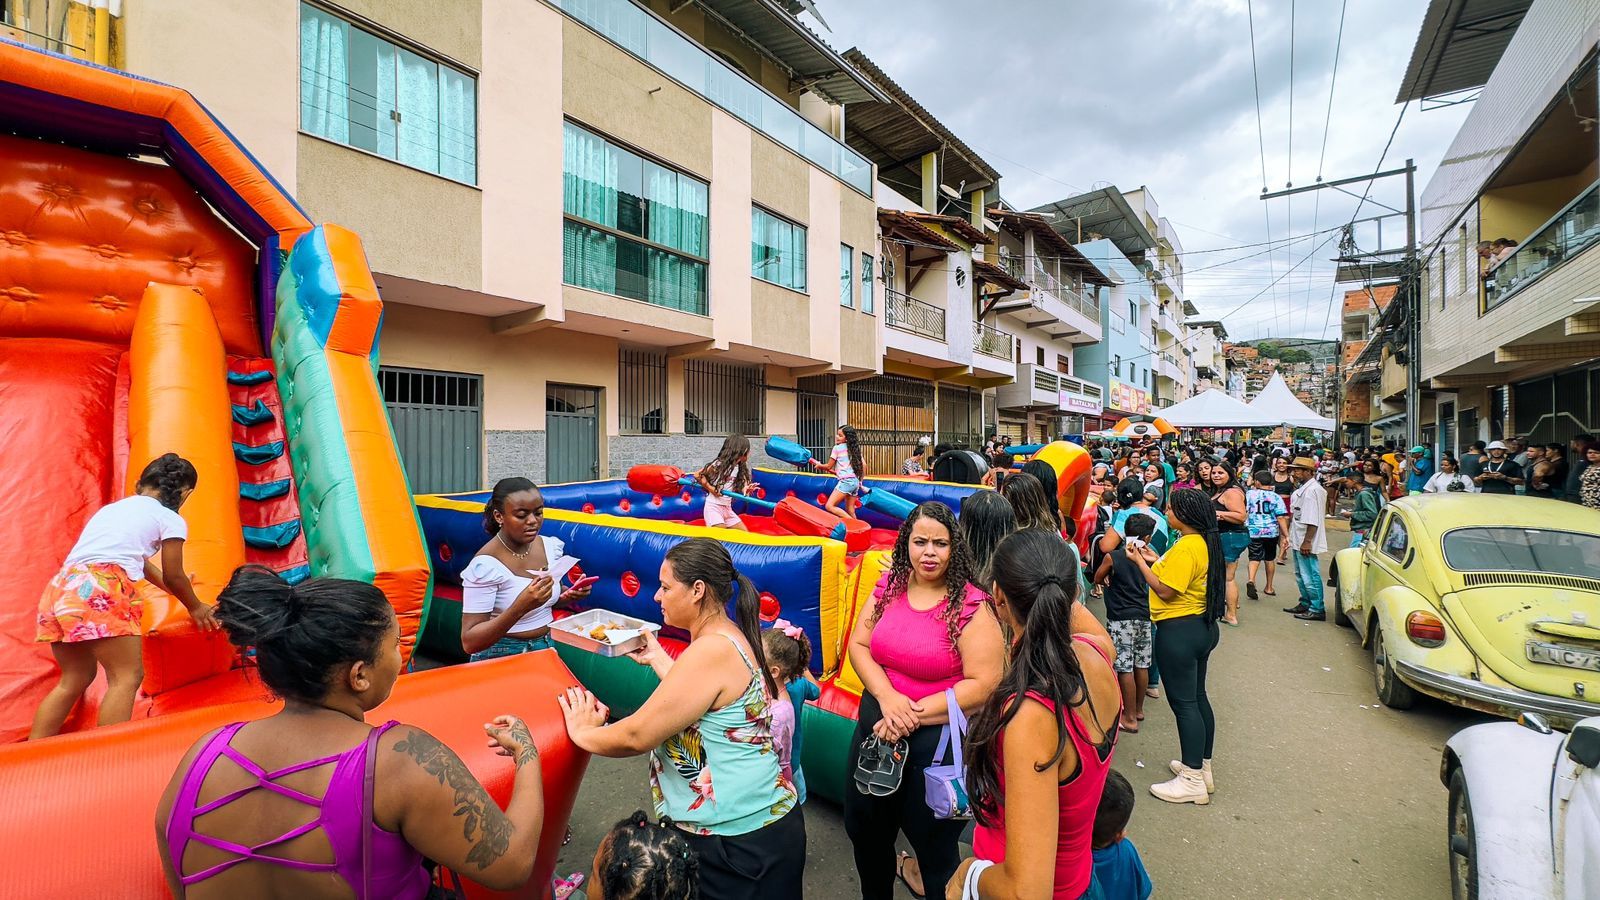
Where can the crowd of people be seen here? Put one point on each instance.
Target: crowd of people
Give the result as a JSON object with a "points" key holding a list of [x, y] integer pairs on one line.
{"points": [[978, 643]]}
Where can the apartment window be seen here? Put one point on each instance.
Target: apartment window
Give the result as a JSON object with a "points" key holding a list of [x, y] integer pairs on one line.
{"points": [[847, 276], [723, 398], [1038, 353], [1133, 312], [633, 227], [866, 283], [777, 250], [361, 90], [1116, 367], [642, 391]]}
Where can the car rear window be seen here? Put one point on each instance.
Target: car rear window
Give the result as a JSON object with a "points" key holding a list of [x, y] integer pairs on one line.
{"points": [[1523, 549]]}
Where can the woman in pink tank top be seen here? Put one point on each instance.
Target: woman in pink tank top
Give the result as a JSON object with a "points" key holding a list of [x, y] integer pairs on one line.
{"points": [[272, 808], [1038, 751]]}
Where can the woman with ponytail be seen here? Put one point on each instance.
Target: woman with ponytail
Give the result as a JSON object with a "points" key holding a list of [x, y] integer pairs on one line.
{"points": [[91, 615], [708, 729], [1187, 597], [1039, 748], [312, 801], [928, 629]]}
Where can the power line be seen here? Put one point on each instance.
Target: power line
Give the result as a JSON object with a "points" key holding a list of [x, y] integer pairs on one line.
{"points": [[1327, 124], [1261, 136]]}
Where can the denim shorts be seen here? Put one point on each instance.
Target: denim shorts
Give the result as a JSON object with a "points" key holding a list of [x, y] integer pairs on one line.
{"points": [[510, 646], [1234, 544], [849, 486]]}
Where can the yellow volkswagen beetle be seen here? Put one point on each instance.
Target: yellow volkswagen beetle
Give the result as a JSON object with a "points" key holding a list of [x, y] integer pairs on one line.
{"points": [[1488, 602]]}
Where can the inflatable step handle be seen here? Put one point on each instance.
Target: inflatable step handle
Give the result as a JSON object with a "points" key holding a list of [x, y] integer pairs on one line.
{"points": [[272, 537], [296, 574], [255, 456], [250, 379], [252, 415], [269, 490]]}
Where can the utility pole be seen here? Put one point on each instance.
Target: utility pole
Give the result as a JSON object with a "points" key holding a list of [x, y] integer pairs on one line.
{"points": [[1407, 270]]}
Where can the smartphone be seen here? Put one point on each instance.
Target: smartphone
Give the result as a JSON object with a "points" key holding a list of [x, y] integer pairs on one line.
{"points": [[584, 582]]}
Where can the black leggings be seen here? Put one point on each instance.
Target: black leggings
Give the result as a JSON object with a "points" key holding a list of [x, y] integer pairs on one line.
{"points": [[766, 864], [1183, 645], [873, 822]]}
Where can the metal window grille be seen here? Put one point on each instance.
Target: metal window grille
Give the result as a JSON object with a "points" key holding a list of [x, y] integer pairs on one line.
{"points": [[960, 416], [818, 408], [889, 413], [723, 398], [642, 391], [438, 425]]}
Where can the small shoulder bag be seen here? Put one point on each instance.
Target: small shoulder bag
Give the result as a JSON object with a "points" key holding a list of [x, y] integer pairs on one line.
{"points": [[946, 785]]}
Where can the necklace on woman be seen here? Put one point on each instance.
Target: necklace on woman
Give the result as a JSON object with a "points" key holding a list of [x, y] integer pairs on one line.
{"points": [[525, 550]]}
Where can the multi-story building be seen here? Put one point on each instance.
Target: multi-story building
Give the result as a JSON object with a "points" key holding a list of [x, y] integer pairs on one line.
{"points": [[1509, 342], [1360, 367], [1123, 363], [607, 232], [1207, 340], [1163, 265], [944, 347]]}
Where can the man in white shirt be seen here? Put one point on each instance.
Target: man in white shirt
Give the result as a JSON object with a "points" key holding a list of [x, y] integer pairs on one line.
{"points": [[1308, 537]]}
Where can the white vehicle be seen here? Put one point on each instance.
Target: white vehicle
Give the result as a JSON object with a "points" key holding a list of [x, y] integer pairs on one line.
{"points": [[1524, 810]]}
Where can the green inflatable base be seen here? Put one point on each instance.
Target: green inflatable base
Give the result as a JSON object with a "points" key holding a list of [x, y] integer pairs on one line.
{"points": [[623, 686]]}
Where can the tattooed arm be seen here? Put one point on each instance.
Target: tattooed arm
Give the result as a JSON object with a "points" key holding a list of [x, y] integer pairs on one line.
{"points": [[444, 812]]}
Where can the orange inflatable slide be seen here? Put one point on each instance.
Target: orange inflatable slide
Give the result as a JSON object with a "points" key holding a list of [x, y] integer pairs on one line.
{"points": [[161, 293]]}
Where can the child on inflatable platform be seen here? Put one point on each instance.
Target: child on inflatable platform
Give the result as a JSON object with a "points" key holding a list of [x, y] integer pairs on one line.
{"points": [[788, 652], [640, 861], [730, 471], [845, 463], [91, 614]]}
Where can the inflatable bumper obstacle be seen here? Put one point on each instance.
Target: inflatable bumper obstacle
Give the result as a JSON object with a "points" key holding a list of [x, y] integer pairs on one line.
{"points": [[190, 306]]}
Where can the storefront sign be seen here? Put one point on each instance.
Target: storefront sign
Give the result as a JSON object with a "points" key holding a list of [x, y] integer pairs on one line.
{"points": [[1075, 403], [1128, 398]]}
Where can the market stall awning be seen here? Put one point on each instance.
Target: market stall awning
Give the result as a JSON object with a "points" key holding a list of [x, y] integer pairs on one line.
{"points": [[1215, 409], [1278, 403]]}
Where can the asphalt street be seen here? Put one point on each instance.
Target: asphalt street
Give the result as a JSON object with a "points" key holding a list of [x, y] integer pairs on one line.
{"points": [[1321, 791]]}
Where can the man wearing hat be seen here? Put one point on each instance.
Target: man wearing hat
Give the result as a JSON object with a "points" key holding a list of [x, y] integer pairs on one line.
{"points": [[1307, 537], [1419, 468], [1500, 475]]}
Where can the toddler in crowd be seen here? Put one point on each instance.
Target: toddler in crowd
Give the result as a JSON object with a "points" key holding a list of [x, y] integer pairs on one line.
{"points": [[640, 861], [1118, 870], [788, 653]]}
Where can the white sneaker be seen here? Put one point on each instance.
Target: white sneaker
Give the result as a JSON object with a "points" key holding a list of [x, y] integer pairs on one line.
{"points": [[1205, 773], [1187, 787]]}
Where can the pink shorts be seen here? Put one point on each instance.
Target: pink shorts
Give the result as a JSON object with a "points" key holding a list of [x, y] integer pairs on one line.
{"points": [[719, 512]]}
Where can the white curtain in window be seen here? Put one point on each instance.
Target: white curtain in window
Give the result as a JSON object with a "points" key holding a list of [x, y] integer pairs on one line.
{"points": [[324, 88], [458, 126], [419, 111], [589, 186]]}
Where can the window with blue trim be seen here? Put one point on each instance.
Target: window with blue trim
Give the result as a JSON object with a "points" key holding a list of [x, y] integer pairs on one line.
{"points": [[361, 90]]}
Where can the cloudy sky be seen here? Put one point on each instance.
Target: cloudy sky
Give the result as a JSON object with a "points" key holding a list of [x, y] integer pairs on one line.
{"points": [[1066, 96]]}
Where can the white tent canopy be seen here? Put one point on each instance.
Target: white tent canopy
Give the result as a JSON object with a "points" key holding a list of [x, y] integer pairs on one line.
{"points": [[1214, 409], [1277, 403]]}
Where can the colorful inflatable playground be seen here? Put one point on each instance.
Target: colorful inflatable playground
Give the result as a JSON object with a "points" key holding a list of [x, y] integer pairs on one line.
{"points": [[159, 292]]}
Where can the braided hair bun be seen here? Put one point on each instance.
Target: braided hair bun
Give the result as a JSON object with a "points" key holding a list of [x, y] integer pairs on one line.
{"points": [[639, 860], [169, 475]]}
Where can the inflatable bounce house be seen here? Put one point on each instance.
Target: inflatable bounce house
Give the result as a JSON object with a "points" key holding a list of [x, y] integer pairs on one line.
{"points": [[805, 570], [160, 292]]}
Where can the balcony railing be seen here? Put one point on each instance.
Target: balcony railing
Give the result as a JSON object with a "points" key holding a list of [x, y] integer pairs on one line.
{"points": [[991, 341], [907, 313], [1568, 233], [660, 46], [1033, 271]]}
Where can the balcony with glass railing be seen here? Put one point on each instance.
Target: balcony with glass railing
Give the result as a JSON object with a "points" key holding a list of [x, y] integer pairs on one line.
{"points": [[1568, 233], [907, 313], [991, 341], [662, 47]]}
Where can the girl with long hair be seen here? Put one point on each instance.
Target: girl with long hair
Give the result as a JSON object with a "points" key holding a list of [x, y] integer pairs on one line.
{"points": [[1051, 483], [714, 766], [1187, 597], [986, 519], [1029, 502], [1228, 497], [845, 463], [1040, 747], [506, 609], [91, 614], [730, 471], [928, 629]]}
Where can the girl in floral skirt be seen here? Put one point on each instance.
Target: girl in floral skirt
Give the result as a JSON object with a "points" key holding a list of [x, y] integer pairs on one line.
{"points": [[90, 613]]}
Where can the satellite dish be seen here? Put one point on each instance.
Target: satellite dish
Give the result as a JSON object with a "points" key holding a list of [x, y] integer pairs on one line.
{"points": [[953, 193]]}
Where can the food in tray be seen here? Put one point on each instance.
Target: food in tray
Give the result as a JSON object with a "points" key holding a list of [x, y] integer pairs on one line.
{"points": [[602, 632]]}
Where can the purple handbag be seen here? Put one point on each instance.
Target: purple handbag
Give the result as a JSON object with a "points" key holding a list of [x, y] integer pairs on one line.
{"points": [[946, 786]]}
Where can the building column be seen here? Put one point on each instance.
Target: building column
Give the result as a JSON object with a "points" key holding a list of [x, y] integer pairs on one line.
{"points": [[930, 182]]}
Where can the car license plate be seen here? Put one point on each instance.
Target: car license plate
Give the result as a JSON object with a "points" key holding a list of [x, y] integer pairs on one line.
{"points": [[1558, 655]]}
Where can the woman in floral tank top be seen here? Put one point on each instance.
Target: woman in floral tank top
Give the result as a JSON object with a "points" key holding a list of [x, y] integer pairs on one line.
{"points": [[714, 769]]}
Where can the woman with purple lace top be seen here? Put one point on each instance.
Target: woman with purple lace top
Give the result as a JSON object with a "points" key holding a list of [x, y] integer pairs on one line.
{"points": [[273, 808]]}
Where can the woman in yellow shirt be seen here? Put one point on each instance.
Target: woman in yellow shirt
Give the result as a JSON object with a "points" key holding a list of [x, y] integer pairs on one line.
{"points": [[1187, 597]]}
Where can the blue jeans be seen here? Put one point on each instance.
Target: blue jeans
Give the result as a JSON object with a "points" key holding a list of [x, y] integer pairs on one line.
{"points": [[1308, 577], [510, 646], [1357, 538]]}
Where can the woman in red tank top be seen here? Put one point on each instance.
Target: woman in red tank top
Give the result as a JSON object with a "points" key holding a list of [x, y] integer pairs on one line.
{"points": [[1040, 748]]}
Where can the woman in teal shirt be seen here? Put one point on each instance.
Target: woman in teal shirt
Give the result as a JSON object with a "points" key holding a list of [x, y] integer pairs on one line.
{"points": [[714, 770]]}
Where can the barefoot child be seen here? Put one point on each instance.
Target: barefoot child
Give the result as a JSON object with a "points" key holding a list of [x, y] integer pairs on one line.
{"points": [[730, 471], [1128, 618], [90, 614], [788, 652], [845, 463]]}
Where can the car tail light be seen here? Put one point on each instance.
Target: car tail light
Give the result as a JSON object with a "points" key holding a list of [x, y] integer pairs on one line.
{"points": [[1425, 629]]}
